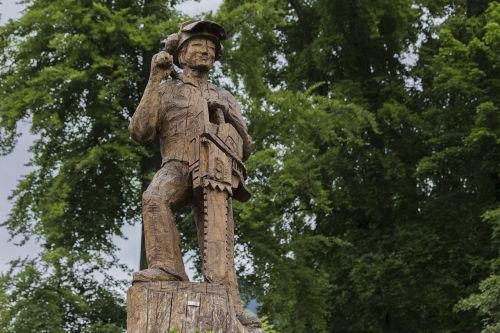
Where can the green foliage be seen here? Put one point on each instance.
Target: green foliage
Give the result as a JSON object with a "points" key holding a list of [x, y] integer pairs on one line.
{"points": [[371, 175], [487, 301], [268, 328], [75, 70], [70, 300]]}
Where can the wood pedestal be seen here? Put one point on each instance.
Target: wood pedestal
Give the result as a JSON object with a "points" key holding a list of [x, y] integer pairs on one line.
{"points": [[183, 307]]}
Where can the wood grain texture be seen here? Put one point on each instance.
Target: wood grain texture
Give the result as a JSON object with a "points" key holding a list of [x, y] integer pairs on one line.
{"points": [[188, 307]]}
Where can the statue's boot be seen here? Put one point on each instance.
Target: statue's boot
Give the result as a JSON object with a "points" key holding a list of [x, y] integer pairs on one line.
{"points": [[249, 321], [153, 274]]}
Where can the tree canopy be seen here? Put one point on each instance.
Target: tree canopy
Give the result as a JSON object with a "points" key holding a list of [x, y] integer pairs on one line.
{"points": [[75, 70], [376, 168], [375, 177]]}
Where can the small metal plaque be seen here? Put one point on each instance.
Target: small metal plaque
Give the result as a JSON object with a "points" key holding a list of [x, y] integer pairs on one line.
{"points": [[194, 303]]}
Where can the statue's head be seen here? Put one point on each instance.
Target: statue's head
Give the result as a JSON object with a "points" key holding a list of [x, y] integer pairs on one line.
{"points": [[197, 45]]}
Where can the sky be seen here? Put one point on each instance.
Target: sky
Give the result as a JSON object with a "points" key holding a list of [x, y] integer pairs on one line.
{"points": [[13, 167]]}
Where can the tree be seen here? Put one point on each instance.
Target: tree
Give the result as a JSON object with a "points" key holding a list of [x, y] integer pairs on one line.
{"points": [[460, 85], [366, 215], [75, 70]]}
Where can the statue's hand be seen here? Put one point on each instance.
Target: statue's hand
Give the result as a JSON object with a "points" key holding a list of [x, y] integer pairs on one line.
{"points": [[161, 65]]}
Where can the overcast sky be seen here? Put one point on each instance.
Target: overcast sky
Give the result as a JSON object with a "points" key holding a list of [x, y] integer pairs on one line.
{"points": [[12, 166]]}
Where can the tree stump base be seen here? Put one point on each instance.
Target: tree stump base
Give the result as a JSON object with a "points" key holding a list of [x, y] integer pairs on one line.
{"points": [[183, 307]]}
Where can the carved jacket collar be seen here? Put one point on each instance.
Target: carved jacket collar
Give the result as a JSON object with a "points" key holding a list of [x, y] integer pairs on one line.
{"points": [[193, 82]]}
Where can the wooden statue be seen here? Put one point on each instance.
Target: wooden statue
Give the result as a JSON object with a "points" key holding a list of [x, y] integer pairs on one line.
{"points": [[203, 141]]}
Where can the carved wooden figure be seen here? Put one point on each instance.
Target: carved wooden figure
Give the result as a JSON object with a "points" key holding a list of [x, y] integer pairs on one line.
{"points": [[203, 142]]}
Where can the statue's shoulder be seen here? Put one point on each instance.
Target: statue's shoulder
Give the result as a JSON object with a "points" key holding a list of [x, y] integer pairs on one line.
{"points": [[224, 94], [170, 86], [170, 83]]}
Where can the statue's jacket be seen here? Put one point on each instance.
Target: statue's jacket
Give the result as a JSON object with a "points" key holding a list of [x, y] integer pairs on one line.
{"points": [[175, 119]]}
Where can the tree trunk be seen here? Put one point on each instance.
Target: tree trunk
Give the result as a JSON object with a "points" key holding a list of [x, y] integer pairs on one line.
{"points": [[184, 307]]}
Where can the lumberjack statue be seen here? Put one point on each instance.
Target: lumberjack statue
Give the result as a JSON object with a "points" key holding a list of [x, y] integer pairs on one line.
{"points": [[204, 141]]}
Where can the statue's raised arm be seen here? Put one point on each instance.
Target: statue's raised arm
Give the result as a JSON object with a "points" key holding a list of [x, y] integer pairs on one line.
{"points": [[144, 122]]}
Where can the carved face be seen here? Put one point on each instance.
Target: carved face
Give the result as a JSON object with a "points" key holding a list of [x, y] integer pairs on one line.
{"points": [[198, 53]]}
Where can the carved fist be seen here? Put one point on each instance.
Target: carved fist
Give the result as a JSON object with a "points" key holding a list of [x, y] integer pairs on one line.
{"points": [[161, 65]]}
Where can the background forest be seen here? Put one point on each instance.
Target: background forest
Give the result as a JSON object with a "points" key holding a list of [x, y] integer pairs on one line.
{"points": [[375, 178]]}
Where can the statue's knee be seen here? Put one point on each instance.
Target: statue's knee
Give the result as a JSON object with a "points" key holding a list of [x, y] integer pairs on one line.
{"points": [[169, 196], [151, 198]]}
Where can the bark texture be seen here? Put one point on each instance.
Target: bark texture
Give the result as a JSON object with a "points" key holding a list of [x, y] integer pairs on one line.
{"points": [[185, 307]]}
